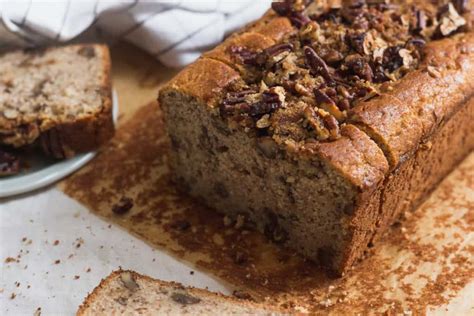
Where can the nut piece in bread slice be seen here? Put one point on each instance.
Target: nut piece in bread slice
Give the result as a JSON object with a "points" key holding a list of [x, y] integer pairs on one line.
{"points": [[129, 293], [59, 97]]}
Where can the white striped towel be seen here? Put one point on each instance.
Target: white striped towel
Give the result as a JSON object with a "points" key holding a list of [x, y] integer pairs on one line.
{"points": [[175, 31]]}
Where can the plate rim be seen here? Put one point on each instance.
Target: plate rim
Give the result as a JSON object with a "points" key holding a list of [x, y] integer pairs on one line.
{"points": [[28, 182]]}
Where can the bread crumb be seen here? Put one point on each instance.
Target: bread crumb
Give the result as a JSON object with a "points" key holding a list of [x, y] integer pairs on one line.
{"points": [[37, 312]]}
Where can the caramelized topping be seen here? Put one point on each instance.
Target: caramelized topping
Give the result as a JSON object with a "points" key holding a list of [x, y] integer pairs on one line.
{"points": [[341, 55]]}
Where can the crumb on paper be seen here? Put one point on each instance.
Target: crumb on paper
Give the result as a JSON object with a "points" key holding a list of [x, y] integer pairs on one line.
{"points": [[124, 205], [79, 242], [11, 259]]}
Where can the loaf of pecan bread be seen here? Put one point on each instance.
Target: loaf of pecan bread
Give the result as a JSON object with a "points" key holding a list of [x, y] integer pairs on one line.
{"points": [[58, 97], [326, 120]]}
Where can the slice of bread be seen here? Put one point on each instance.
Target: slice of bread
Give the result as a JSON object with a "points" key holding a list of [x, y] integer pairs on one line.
{"points": [[59, 97], [129, 293]]}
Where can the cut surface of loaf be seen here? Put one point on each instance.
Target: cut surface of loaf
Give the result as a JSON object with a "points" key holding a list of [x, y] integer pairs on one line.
{"points": [[129, 293], [58, 96], [323, 129]]}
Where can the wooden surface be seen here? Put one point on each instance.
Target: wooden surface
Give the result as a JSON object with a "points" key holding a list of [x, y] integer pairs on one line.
{"points": [[426, 262]]}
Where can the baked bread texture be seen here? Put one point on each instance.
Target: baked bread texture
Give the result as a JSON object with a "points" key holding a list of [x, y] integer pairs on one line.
{"points": [[325, 120], [129, 293], [59, 97]]}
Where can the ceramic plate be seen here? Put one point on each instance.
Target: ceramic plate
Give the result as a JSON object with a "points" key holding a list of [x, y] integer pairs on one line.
{"points": [[43, 171]]}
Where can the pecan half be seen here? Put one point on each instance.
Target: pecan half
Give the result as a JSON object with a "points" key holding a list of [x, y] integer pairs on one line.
{"points": [[317, 64], [359, 66]]}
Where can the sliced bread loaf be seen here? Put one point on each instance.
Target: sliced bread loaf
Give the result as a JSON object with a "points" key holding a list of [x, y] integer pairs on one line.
{"points": [[323, 129], [59, 97], [129, 293]]}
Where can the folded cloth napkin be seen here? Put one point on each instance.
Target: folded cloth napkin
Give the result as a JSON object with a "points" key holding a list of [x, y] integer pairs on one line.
{"points": [[175, 31]]}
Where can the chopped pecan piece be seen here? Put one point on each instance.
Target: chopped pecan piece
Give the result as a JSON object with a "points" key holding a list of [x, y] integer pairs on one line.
{"points": [[299, 19], [317, 64], [184, 298], [246, 56], [321, 122], [9, 164], [359, 66], [451, 21]]}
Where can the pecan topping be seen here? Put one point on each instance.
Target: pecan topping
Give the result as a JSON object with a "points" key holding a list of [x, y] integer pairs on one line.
{"points": [[323, 123], [300, 89], [251, 103]]}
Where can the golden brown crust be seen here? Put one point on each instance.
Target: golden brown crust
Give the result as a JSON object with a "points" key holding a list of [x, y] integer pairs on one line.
{"points": [[204, 80], [355, 156], [435, 158], [422, 100], [272, 26], [251, 41]]}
